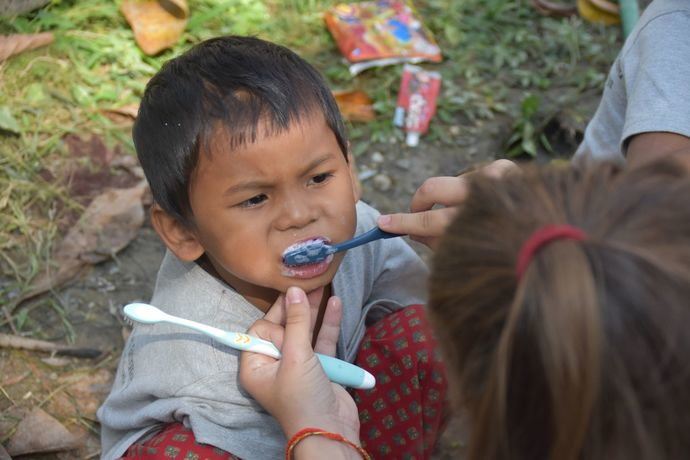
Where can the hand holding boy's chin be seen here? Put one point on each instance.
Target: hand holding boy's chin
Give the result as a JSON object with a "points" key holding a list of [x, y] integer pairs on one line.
{"points": [[315, 293]]}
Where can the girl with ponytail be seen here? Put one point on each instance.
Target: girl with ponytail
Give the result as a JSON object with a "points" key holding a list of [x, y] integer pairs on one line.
{"points": [[561, 300]]}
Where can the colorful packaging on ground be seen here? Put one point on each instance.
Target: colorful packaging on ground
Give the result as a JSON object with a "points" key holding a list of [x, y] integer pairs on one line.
{"points": [[416, 106], [379, 33]]}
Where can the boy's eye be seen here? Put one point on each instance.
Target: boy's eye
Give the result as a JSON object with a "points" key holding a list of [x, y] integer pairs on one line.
{"points": [[254, 201], [321, 178]]}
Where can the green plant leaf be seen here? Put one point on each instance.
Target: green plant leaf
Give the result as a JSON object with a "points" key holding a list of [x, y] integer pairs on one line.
{"points": [[35, 93], [453, 34], [530, 105], [545, 143], [106, 93], [8, 122], [21, 318], [529, 147], [81, 95]]}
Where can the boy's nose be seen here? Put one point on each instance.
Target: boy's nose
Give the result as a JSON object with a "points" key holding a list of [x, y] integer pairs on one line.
{"points": [[296, 212]]}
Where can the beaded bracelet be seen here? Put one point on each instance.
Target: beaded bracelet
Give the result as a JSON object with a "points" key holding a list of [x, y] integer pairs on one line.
{"points": [[306, 432]]}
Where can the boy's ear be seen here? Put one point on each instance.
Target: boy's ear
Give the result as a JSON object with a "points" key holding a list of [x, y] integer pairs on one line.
{"points": [[178, 238], [356, 184]]}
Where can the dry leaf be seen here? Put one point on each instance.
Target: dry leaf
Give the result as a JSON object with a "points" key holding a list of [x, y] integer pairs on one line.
{"points": [[555, 8], [110, 222], [177, 8], [86, 180], [606, 5], [154, 27], [5, 196], [355, 105], [124, 114], [39, 432], [589, 11], [107, 226], [18, 43], [87, 392], [94, 147], [3, 454], [15, 7]]}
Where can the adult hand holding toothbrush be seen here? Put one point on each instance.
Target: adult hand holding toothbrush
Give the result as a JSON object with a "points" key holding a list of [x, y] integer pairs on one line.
{"points": [[295, 389]]}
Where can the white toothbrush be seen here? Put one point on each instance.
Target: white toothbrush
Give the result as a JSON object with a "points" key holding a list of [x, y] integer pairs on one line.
{"points": [[337, 370]]}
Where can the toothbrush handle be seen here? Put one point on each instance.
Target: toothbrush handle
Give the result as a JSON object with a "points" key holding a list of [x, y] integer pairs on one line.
{"points": [[337, 370], [346, 374], [372, 235]]}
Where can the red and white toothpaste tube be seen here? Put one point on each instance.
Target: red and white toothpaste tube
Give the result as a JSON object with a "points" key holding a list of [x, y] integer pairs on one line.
{"points": [[403, 96], [419, 90]]}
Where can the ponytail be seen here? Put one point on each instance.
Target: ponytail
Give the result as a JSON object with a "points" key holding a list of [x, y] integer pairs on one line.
{"points": [[585, 355]]}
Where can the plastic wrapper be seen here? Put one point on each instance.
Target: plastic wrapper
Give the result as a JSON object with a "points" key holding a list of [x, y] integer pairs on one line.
{"points": [[379, 33]]}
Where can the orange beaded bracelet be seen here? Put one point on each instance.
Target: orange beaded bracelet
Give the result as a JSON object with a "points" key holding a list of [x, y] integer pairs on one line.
{"points": [[306, 432]]}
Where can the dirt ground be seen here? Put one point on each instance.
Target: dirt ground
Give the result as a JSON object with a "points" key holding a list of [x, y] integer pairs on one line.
{"points": [[71, 389]]}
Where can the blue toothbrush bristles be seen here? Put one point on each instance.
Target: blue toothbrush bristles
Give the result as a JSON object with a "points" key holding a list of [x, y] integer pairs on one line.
{"points": [[308, 253]]}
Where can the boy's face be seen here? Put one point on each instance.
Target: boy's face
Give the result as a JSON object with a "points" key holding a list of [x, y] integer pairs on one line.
{"points": [[250, 203]]}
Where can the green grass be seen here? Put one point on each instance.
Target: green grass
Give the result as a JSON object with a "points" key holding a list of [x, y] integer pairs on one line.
{"points": [[493, 50]]}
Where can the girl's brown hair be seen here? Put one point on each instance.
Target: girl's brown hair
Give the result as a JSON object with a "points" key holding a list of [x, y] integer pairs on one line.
{"points": [[588, 354]]}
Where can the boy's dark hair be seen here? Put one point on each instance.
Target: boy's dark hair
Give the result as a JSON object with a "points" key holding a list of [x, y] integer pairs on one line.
{"points": [[586, 356], [230, 82]]}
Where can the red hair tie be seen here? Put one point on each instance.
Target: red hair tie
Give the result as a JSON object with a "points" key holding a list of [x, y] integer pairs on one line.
{"points": [[542, 237]]}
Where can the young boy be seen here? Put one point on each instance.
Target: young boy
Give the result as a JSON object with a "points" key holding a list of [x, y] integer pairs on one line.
{"points": [[245, 152]]}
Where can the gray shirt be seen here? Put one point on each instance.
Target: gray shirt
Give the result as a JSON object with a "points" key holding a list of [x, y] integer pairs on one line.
{"points": [[648, 86], [168, 373]]}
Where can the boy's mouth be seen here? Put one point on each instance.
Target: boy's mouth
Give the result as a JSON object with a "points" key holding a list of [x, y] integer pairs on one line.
{"points": [[306, 271]]}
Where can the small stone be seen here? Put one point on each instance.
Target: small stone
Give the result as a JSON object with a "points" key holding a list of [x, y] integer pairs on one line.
{"points": [[403, 163], [365, 174], [54, 361], [465, 141], [382, 182], [377, 157], [454, 130]]}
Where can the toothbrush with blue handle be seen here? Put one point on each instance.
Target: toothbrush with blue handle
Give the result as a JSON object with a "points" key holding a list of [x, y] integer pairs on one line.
{"points": [[337, 370], [319, 250]]}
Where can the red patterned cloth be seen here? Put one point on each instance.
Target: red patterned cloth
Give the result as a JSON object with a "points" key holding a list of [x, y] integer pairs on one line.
{"points": [[401, 417], [176, 441]]}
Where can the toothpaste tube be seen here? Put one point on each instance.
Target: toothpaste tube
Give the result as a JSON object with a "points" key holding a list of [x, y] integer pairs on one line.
{"points": [[403, 97], [419, 90]]}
